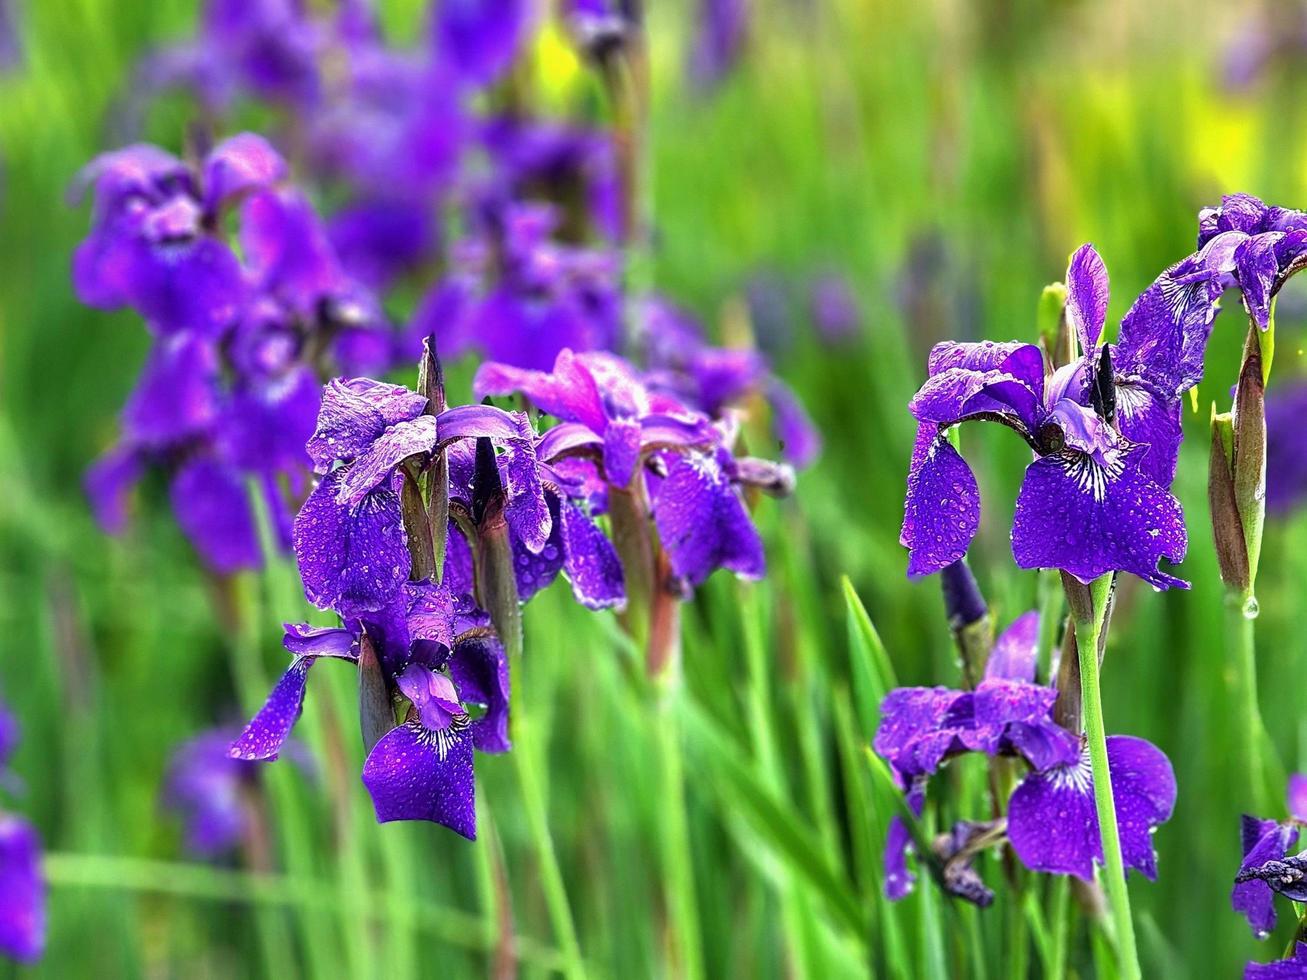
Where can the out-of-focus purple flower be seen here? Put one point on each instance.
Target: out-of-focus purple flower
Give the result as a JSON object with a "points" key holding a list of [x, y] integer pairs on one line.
{"points": [[1265, 869], [211, 792], [1293, 968], [480, 39], [715, 379], [11, 48], [1270, 37], [438, 655], [1090, 502], [22, 886], [834, 308], [722, 30], [1052, 823], [22, 891], [155, 242], [1286, 450]]}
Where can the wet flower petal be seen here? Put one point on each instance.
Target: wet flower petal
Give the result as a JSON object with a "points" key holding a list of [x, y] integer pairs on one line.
{"points": [[590, 561], [941, 512], [412, 774], [702, 522]]}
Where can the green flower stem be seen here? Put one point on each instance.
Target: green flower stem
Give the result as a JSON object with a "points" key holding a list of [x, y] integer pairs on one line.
{"points": [[1240, 620], [528, 761], [1087, 630]]}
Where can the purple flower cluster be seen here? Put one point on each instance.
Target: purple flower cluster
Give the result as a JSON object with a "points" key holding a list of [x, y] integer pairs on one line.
{"points": [[230, 391], [22, 886], [1052, 824]]}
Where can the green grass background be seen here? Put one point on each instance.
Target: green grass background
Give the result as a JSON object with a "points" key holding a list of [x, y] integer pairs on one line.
{"points": [[1007, 133]]}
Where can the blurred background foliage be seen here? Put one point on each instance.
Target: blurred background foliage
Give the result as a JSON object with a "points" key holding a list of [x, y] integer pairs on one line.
{"points": [[946, 157]]}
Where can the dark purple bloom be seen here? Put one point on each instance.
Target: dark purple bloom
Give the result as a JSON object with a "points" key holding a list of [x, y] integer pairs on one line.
{"points": [[1265, 869], [1052, 821], [1088, 504], [1258, 245], [1294, 968], [22, 891], [1286, 449], [212, 792]]}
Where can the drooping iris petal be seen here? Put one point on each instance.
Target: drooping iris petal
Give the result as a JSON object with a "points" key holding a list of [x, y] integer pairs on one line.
{"points": [[1263, 840], [412, 774], [480, 39], [1087, 296], [302, 639], [1294, 968], [1257, 269], [913, 735], [589, 559], [287, 250], [1053, 825], [377, 463], [898, 842], [480, 672], [702, 522], [569, 393], [941, 512], [527, 511], [213, 509], [268, 730], [622, 439], [1016, 650], [22, 891], [1088, 519], [351, 559], [188, 286]]}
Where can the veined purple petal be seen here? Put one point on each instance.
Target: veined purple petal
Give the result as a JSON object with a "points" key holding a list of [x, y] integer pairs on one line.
{"points": [[527, 512], [349, 420], [590, 561], [987, 355], [376, 464], [1087, 519], [910, 718], [1264, 840], [569, 393], [1257, 268], [1016, 650], [414, 774], [1087, 296], [702, 522], [1053, 825], [351, 559], [941, 512], [22, 891], [997, 704], [430, 613], [1146, 418], [213, 509]]}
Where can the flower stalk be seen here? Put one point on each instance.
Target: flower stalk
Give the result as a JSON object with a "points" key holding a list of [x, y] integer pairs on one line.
{"points": [[1088, 631]]}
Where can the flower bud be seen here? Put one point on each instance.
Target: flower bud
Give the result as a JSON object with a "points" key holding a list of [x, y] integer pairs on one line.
{"points": [[496, 580], [1249, 452], [1227, 528]]}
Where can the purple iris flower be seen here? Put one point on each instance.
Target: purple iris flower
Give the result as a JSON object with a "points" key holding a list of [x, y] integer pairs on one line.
{"points": [[576, 548], [1051, 822], [349, 535], [834, 308], [1090, 503], [156, 242], [212, 792], [1258, 245], [1265, 868], [631, 433], [440, 661], [1294, 968], [22, 886]]}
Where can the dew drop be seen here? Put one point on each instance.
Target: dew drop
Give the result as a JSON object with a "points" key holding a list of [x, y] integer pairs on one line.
{"points": [[1250, 608]]}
